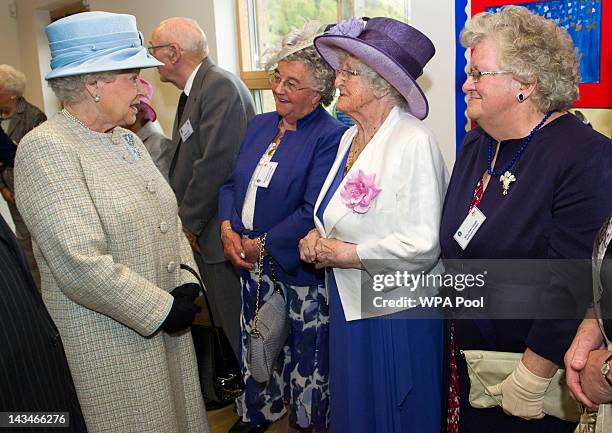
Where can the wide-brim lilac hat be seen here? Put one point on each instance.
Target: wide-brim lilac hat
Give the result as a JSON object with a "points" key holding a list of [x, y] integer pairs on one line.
{"points": [[396, 51], [92, 42]]}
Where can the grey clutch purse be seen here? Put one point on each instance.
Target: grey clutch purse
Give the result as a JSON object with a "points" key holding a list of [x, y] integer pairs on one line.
{"points": [[269, 330]]}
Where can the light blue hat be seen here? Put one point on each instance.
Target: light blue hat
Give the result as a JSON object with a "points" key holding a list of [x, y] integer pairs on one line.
{"points": [[92, 42]]}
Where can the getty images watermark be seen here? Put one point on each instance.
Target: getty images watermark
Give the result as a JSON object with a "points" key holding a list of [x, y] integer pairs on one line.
{"points": [[424, 283], [479, 289]]}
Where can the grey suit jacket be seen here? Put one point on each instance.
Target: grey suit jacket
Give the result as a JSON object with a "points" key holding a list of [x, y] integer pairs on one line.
{"points": [[219, 108], [26, 118], [157, 144]]}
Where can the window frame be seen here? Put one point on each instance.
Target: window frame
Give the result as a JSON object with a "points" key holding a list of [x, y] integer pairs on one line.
{"points": [[257, 80]]}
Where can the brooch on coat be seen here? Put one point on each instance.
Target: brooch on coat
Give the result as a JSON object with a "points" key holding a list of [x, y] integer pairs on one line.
{"points": [[359, 191], [130, 145]]}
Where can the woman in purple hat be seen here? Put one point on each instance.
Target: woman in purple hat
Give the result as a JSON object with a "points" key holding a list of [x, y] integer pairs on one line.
{"points": [[531, 182], [377, 215], [108, 239]]}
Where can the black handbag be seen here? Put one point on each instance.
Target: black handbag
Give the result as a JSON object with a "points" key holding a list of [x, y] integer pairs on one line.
{"points": [[219, 371]]}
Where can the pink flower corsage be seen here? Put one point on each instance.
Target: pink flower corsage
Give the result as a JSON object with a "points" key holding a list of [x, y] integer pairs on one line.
{"points": [[359, 191]]}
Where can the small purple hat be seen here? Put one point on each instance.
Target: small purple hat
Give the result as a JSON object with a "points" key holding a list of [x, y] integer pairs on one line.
{"points": [[395, 50], [145, 101]]}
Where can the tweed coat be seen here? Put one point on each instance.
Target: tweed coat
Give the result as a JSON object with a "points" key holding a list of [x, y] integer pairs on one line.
{"points": [[109, 243]]}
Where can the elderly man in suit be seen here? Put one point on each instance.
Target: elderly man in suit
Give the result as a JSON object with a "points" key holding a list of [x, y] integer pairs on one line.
{"points": [[34, 374], [17, 117], [214, 110]]}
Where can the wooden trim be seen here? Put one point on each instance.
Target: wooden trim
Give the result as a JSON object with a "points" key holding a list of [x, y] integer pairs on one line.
{"points": [[242, 24], [255, 79]]}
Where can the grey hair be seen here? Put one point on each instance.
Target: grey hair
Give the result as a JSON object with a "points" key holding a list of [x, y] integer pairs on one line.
{"points": [[322, 75], [187, 33], [380, 87], [12, 80], [72, 89], [534, 49]]}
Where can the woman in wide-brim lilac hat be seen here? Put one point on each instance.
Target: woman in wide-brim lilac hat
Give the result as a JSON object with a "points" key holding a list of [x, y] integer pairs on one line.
{"points": [[108, 239], [381, 203]]}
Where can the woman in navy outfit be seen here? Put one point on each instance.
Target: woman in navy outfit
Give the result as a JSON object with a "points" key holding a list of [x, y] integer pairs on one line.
{"points": [[268, 202], [541, 179], [381, 202]]}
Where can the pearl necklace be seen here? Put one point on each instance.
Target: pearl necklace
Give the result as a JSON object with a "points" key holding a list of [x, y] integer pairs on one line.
{"points": [[505, 175], [74, 119]]}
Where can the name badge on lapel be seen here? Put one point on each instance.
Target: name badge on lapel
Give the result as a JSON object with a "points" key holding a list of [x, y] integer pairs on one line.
{"points": [[264, 173], [186, 130], [469, 227]]}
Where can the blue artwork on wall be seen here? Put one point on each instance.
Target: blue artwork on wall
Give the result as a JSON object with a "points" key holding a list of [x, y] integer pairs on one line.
{"points": [[582, 20]]}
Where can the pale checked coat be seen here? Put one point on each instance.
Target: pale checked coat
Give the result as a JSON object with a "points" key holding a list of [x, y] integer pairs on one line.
{"points": [[109, 243]]}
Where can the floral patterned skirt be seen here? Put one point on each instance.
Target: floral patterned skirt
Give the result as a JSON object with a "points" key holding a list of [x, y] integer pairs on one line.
{"points": [[300, 379]]}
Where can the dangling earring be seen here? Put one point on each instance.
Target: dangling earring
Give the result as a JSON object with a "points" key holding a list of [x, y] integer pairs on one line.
{"points": [[520, 98], [96, 98]]}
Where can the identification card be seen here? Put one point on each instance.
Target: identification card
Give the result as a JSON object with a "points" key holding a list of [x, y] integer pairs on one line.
{"points": [[264, 174], [186, 130], [469, 227]]}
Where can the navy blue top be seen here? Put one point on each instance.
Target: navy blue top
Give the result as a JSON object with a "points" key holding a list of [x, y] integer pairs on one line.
{"points": [[7, 149], [553, 210], [285, 209]]}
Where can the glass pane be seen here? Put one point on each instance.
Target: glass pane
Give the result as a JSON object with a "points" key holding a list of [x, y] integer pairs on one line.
{"points": [[275, 18], [264, 101], [398, 9]]}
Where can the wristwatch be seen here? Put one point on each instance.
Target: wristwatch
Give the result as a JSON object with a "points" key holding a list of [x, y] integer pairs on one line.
{"points": [[606, 367]]}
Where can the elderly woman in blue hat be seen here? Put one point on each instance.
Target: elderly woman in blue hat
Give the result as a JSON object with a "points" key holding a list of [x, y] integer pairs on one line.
{"points": [[108, 239], [379, 210]]}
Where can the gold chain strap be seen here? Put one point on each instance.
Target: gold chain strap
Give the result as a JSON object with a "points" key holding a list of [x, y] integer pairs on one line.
{"points": [[261, 247]]}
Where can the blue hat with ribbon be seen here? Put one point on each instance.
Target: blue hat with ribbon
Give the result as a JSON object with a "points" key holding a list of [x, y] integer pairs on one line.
{"points": [[92, 42]]}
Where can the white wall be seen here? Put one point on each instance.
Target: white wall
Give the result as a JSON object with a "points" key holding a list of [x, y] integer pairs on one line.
{"points": [[9, 53], [437, 20]]}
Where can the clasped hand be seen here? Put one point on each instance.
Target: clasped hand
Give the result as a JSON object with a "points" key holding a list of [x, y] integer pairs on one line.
{"points": [[325, 252], [583, 362], [243, 253]]}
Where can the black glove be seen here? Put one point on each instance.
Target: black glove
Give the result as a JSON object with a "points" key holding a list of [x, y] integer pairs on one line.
{"points": [[186, 292], [181, 316]]}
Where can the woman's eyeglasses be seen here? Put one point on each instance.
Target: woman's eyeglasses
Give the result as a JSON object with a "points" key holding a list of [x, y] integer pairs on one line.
{"points": [[289, 85], [476, 75], [345, 74]]}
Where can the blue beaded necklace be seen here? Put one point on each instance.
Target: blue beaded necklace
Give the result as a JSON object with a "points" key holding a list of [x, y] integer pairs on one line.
{"points": [[505, 176]]}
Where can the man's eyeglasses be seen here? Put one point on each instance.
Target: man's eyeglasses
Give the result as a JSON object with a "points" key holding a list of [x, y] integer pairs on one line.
{"points": [[345, 74], [290, 85], [476, 75], [151, 48]]}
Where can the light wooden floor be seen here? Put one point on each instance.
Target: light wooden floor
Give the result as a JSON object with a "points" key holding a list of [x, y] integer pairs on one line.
{"points": [[222, 419]]}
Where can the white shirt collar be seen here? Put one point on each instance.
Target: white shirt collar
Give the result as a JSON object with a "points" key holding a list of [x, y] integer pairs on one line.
{"points": [[189, 82]]}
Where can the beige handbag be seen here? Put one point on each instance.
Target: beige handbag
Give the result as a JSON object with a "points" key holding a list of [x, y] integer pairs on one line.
{"points": [[486, 368]]}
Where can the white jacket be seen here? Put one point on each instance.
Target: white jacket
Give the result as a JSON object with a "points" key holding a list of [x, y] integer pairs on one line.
{"points": [[403, 222]]}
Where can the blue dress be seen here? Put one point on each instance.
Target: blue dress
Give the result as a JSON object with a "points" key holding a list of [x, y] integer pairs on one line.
{"points": [[385, 373]]}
